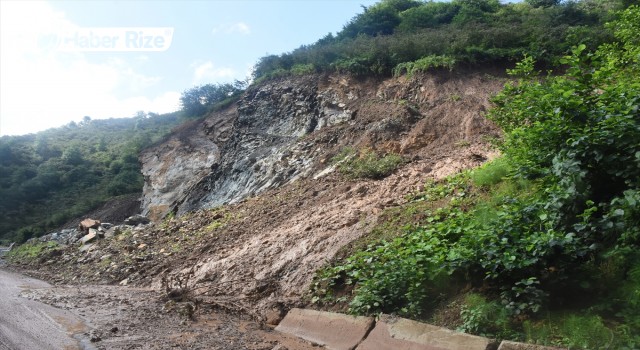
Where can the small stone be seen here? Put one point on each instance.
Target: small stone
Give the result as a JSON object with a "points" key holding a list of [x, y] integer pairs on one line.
{"points": [[274, 316], [85, 248], [124, 282], [94, 337]]}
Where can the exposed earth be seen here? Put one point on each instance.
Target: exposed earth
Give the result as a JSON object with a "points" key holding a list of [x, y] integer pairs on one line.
{"points": [[286, 211], [36, 315]]}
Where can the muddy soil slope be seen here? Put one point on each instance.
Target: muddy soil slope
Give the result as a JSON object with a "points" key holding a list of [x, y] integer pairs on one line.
{"points": [[260, 205]]}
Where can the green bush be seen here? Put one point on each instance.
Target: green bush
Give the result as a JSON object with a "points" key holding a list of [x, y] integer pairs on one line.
{"points": [[40, 193]]}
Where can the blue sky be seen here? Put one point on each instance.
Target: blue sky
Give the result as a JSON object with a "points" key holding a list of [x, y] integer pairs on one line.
{"points": [[43, 86]]}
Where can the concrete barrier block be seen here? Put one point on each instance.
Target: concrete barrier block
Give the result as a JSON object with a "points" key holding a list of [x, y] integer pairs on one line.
{"points": [[331, 330], [391, 333], [511, 345]]}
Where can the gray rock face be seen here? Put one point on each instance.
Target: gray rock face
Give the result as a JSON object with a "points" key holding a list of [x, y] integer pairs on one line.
{"points": [[174, 166], [240, 154], [266, 148]]}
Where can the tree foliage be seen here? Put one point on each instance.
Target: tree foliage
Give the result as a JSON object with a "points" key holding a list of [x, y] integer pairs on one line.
{"points": [[204, 98], [52, 176]]}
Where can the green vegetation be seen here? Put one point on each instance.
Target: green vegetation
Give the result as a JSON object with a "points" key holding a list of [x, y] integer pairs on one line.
{"points": [[366, 163], [548, 236], [27, 253], [424, 64], [202, 99], [58, 174], [408, 36]]}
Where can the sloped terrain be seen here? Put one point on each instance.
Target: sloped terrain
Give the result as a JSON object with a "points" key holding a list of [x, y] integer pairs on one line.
{"points": [[291, 211]]}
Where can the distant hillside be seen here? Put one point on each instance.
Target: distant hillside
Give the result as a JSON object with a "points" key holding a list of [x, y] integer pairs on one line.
{"points": [[400, 36], [52, 176]]}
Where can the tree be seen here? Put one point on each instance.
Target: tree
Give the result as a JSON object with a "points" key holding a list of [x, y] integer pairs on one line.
{"points": [[72, 155], [379, 19], [430, 15], [542, 3], [200, 99]]}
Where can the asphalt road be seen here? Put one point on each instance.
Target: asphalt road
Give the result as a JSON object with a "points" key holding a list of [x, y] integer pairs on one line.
{"points": [[29, 325]]}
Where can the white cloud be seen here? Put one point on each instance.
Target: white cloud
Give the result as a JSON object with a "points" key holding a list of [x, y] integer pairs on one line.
{"points": [[207, 72], [238, 27], [42, 88]]}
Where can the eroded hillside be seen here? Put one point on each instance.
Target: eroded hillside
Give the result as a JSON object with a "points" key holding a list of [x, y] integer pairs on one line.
{"points": [[259, 204]]}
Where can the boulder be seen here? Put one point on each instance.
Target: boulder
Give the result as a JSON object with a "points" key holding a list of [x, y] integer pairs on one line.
{"points": [[137, 220], [86, 224]]}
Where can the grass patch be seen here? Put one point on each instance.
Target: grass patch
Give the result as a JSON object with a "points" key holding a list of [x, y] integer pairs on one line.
{"points": [[27, 253], [491, 173], [485, 317], [366, 163], [573, 330]]}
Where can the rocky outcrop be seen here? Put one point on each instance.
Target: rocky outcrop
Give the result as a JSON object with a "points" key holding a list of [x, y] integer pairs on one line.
{"points": [[267, 148], [174, 166], [265, 141], [241, 152]]}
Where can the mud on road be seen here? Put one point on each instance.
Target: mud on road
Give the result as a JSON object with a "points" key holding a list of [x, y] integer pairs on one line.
{"points": [[36, 315], [29, 324]]}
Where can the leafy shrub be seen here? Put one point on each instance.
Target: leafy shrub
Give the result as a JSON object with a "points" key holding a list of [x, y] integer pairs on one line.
{"points": [[39, 193]]}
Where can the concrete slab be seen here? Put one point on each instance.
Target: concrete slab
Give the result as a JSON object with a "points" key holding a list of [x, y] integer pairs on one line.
{"points": [[391, 333], [334, 331], [511, 345]]}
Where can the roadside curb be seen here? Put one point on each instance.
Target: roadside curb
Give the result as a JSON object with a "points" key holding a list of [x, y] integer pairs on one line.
{"points": [[400, 333], [332, 330], [511, 345], [344, 332]]}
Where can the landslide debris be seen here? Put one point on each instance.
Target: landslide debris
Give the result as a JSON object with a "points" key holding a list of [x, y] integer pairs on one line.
{"points": [[290, 212]]}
